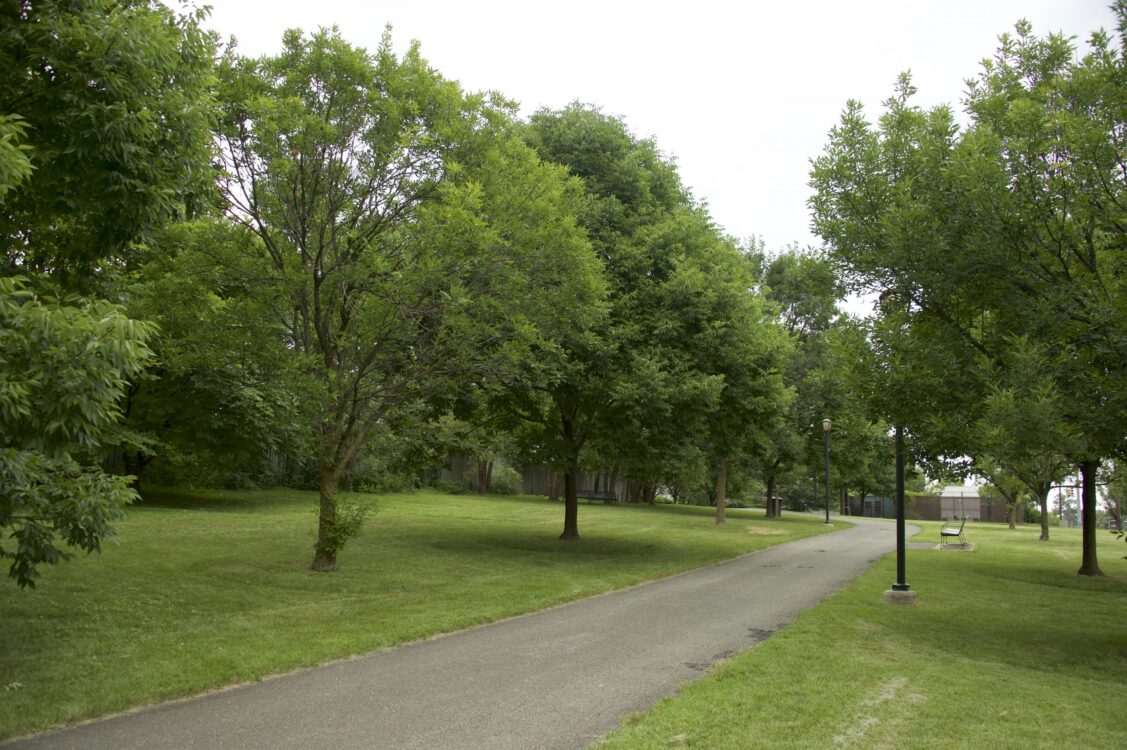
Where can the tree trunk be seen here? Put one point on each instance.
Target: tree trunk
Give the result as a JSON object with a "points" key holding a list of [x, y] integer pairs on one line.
{"points": [[1044, 501], [772, 512], [721, 489], [651, 494], [483, 468], [553, 486], [325, 556], [612, 482], [571, 501], [1012, 514], [1089, 566]]}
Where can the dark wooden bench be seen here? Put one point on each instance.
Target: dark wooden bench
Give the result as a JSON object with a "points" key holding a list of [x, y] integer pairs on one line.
{"points": [[607, 497], [950, 531]]}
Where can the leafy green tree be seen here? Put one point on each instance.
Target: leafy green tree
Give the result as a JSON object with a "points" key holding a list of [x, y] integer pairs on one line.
{"points": [[805, 289], [1024, 437], [221, 391], [685, 355], [608, 374], [113, 101], [402, 226], [63, 371], [1053, 125], [1010, 230]]}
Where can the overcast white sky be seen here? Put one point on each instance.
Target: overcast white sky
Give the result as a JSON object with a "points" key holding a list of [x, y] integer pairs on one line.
{"points": [[741, 94]]}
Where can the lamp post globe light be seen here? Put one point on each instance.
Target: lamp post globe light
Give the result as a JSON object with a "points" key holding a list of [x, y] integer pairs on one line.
{"points": [[826, 424]]}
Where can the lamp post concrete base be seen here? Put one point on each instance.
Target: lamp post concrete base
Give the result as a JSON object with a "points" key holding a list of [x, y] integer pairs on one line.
{"points": [[901, 597]]}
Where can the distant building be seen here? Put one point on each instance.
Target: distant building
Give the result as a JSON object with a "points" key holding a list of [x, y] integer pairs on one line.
{"points": [[960, 501], [953, 504]]}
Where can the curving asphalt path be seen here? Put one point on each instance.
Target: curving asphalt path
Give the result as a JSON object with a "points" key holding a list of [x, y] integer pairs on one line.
{"points": [[554, 679]]}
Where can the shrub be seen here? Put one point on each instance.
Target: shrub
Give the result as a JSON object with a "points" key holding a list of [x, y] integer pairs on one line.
{"points": [[506, 481], [347, 524]]}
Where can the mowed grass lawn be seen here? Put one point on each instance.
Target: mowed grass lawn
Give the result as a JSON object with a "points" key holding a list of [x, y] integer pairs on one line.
{"points": [[1007, 648], [200, 590]]}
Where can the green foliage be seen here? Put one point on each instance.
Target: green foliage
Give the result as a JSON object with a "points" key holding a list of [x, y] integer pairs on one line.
{"points": [[806, 289], [506, 481], [113, 101], [999, 254], [435, 253], [63, 370], [348, 519], [15, 166], [222, 393], [687, 351]]}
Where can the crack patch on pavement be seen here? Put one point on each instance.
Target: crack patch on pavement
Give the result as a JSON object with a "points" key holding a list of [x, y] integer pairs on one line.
{"points": [[760, 634], [703, 666]]}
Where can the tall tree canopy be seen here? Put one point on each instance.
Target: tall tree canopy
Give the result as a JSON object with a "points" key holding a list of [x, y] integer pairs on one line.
{"points": [[104, 113], [1010, 232], [399, 227], [113, 101], [685, 345]]}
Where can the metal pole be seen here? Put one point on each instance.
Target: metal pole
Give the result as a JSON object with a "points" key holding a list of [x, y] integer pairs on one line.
{"points": [[901, 584], [826, 432]]}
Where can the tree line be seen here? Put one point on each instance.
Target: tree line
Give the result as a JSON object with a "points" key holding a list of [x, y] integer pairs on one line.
{"points": [[340, 258], [998, 253]]}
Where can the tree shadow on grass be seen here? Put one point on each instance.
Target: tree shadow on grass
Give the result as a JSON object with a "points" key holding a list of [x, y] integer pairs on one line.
{"points": [[222, 500], [488, 542]]}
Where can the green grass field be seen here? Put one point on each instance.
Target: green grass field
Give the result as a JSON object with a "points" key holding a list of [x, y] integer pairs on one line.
{"points": [[1007, 648], [201, 590]]}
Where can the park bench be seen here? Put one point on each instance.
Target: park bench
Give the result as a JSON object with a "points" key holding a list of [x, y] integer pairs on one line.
{"points": [[605, 495], [951, 531]]}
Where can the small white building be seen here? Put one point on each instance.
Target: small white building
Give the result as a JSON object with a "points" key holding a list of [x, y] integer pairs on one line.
{"points": [[958, 502]]}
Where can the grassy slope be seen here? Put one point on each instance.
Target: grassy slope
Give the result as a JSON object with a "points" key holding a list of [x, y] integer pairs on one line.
{"points": [[208, 589], [1008, 648]]}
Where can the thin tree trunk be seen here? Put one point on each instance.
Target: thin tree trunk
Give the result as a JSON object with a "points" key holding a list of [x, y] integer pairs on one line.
{"points": [[1044, 501], [325, 557], [1012, 514], [772, 512], [612, 482], [651, 494], [482, 475], [1089, 565], [721, 489], [553, 486], [571, 501]]}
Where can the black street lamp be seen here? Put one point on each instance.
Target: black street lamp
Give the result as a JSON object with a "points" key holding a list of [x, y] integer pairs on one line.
{"points": [[901, 584], [900, 593], [826, 431]]}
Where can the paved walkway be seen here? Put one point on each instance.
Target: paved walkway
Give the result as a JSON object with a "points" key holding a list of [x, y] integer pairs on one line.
{"points": [[554, 679]]}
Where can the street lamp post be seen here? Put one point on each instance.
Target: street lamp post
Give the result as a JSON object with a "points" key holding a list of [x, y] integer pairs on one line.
{"points": [[892, 301], [901, 584], [826, 432]]}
